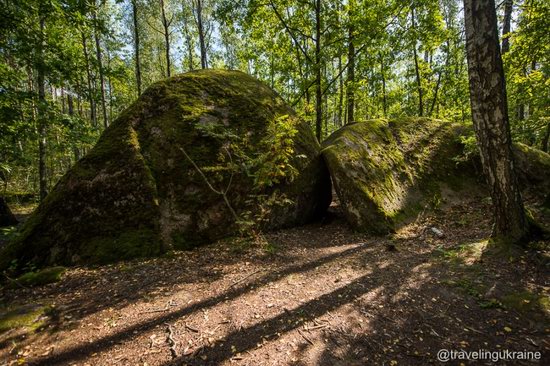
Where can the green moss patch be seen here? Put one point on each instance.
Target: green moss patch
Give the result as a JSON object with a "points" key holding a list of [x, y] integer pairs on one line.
{"points": [[40, 278], [527, 302], [28, 316]]}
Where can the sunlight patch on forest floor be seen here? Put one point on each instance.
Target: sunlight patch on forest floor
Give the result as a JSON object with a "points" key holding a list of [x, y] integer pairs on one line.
{"points": [[325, 296]]}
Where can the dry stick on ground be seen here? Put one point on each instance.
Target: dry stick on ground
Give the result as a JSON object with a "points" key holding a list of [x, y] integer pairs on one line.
{"points": [[155, 310], [306, 338], [191, 328], [166, 308], [170, 340], [15, 281], [244, 278], [320, 326]]}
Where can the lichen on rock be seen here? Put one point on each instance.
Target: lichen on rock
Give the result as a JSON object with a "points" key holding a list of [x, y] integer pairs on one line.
{"points": [[135, 194]]}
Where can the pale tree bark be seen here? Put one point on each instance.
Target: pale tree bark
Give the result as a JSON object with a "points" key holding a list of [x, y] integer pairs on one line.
{"points": [[490, 118]]}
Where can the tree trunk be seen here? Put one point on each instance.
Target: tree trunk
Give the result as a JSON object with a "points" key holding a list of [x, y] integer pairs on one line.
{"points": [[202, 42], [63, 106], [166, 26], [101, 72], [91, 99], [136, 46], [417, 69], [340, 92], [351, 67], [190, 62], [78, 91], [439, 77], [382, 72], [42, 113], [508, 5], [110, 86], [544, 145], [318, 89], [490, 118], [70, 108]]}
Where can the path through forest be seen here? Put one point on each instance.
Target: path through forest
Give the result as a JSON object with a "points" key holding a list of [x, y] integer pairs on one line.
{"points": [[321, 295]]}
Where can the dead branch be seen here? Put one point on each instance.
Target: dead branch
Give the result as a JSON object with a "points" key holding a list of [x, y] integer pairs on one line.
{"points": [[195, 330], [15, 281], [244, 278], [306, 338], [170, 340]]}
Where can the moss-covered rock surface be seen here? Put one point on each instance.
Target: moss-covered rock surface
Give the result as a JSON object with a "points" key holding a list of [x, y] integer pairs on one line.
{"points": [[42, 277], [385, 171], [533, 167], [136, 194]]}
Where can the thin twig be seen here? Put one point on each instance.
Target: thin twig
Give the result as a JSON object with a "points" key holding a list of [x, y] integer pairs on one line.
{"points": [[244, 278], [15, 281], [221, 193], [317, 327], [306, 338], [191, 328]]}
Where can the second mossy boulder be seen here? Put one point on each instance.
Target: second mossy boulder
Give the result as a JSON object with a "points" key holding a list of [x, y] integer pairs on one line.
{"points": [[154, 181], [385, 171]]}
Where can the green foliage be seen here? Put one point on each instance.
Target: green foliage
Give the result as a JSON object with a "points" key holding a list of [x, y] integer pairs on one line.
{"points": [[274, 165], [527, 71], [268, 166], [469, 143]]}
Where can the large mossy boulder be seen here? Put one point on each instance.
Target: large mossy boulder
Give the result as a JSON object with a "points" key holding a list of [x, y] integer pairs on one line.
{"points": [[137, 194], [385, 171]]}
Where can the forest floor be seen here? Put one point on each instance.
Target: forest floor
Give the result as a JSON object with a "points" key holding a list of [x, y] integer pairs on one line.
{"points": [[315, 295]]}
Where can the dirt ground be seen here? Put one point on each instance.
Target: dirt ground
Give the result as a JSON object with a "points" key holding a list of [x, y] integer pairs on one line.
{"points": [[315, 295]]}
